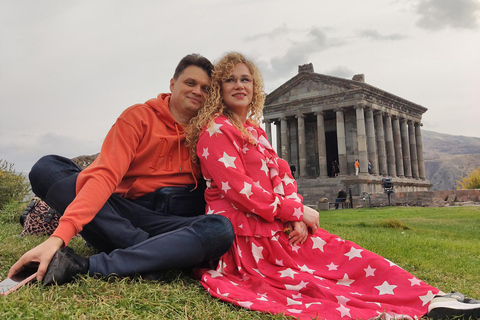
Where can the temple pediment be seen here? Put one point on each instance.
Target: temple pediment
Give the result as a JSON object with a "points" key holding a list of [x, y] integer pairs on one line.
{"points": [[309, 85]]}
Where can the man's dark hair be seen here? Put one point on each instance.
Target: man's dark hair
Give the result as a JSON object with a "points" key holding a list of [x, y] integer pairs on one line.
{"points": [[193, 59]]}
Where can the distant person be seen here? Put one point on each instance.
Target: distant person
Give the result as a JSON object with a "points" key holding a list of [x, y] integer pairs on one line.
{"points": [[335, 168], [117, 204], [369, 167], [341, 198], [293, 169], [357, 167]]}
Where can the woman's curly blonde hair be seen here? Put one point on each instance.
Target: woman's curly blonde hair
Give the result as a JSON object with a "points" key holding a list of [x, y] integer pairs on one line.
{"points": [[214, 104]]}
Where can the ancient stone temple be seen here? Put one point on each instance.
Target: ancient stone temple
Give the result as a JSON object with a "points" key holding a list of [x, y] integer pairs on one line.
{"points": [[320, 120]]}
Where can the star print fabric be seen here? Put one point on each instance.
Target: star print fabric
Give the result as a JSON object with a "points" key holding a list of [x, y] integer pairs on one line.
{"points": [[324, 278]]}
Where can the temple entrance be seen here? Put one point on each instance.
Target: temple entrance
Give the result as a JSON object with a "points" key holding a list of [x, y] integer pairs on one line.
{"points": [[332, 150]]}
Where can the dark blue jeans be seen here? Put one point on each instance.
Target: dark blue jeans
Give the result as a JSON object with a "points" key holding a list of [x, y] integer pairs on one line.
{"points": [[133, 238]]}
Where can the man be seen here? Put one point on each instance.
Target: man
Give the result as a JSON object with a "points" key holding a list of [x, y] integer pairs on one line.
{"points": [[293, 169], [118, 203], [341, 198]]}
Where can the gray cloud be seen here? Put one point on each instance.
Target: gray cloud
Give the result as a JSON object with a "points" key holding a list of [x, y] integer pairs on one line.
{"points": [[340, 72], [280, 31], [281, 67], [375, 35], [440, 14]]}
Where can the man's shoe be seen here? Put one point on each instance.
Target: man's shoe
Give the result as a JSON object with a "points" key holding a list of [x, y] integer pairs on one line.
{"points": [[64, 265], [453, 306]]}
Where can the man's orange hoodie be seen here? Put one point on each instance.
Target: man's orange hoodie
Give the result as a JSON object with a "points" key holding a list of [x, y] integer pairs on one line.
{"points": [[143, 151]]}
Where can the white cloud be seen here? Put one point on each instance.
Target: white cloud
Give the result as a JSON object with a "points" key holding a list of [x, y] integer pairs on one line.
{"points": [[441, 14]]}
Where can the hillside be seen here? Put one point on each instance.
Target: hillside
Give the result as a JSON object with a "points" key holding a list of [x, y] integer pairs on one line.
{"points": [[448, 158]]}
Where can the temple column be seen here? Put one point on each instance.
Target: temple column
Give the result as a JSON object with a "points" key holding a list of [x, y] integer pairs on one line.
{"points": [[268, 129], [322, 146], [279, 138], [361, 138], [302, 147], [413, 149], [341, 144], [407, 164], [418, 139], [284, 135], [382, 153], [371, 144], [389, 145], [397, 142]]}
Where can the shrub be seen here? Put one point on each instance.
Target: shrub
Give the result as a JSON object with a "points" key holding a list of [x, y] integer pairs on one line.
{"points": [[13, 186], [471, 181]]}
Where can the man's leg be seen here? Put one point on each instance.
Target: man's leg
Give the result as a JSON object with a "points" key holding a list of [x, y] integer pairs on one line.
{"points": [[190, 241], [53, 179]]}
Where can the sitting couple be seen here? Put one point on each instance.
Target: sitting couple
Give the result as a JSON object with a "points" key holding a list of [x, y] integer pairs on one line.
{"points": [[251, 199]]}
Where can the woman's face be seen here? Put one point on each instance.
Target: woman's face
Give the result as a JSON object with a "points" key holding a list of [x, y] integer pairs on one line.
{"points": [[238, 90]]}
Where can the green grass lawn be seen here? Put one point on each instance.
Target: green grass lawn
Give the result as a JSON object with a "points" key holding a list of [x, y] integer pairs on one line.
{"points": [[438, 245]]}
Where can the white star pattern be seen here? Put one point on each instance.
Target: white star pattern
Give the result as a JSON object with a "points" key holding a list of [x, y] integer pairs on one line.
{"points": [[210, 211], [293, 302], [370, 272], [346, 281], [332, 266], [304, 268], [275, 203], [354, 253], [342, 300], [258, 271], [288, 273], [318, 243], [215, 273], [264, 167], [245, 304], [298, 213], [385, 288], [344, 311], [222, 294], [214, 128], [228, 161], [205, 153], [297, 287], [294, 196], [414, 281], [287, 180], [225, 187], [310, 304], [279, 262], [427, 298], [257, 252], [247, 190], [295, 248]]}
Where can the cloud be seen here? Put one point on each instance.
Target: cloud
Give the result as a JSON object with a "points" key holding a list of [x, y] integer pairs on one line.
{"points": [[299, 51], [375, 35], [340, 72], [280, 31], [440, 14]]}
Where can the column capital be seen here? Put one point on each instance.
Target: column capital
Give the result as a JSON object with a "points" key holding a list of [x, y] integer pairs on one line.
{"points": [[339, 109], [410, 122], [359, 106], [388, 115], [300, 115], [282, 118], [319, 112], [267, 120]]}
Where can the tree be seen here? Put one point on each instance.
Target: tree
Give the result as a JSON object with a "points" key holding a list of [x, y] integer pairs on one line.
{"points": [[471, 181], [13, 186]]}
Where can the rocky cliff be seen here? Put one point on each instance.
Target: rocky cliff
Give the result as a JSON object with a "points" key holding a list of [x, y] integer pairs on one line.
{"points": [[448, 158]]}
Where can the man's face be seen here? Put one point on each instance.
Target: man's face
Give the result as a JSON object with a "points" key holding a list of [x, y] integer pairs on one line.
{"points": [[188, 93]]}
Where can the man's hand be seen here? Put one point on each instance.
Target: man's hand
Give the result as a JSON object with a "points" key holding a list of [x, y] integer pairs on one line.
{"points": [[42, 254], [310, 217], [299, 233]]}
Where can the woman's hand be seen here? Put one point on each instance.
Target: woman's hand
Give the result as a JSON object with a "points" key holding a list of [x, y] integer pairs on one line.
{"points": [[311, 218], [41, 254], [299, 233]]}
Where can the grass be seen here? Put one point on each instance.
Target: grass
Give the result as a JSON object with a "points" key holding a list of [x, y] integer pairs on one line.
{"points": [[438, 245]]}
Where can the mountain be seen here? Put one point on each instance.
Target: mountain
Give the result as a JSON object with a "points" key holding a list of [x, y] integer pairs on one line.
{"points": [[449, 158]]}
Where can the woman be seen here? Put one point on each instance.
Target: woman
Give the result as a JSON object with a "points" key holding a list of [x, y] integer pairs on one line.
{"points": [[281, 262]]}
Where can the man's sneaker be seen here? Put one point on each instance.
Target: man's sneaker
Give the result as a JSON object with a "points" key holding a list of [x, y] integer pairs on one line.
{"points": [[453, 306], [64, 265]]}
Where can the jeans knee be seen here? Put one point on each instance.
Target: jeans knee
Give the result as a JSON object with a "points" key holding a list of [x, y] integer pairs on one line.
{"points": [[219, 233]]}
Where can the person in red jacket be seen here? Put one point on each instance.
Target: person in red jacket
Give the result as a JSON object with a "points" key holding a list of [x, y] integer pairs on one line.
{"points": [[122, 203]]}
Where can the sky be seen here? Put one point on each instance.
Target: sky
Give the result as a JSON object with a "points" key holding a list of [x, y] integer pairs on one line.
{"points": [[69, 68]]}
